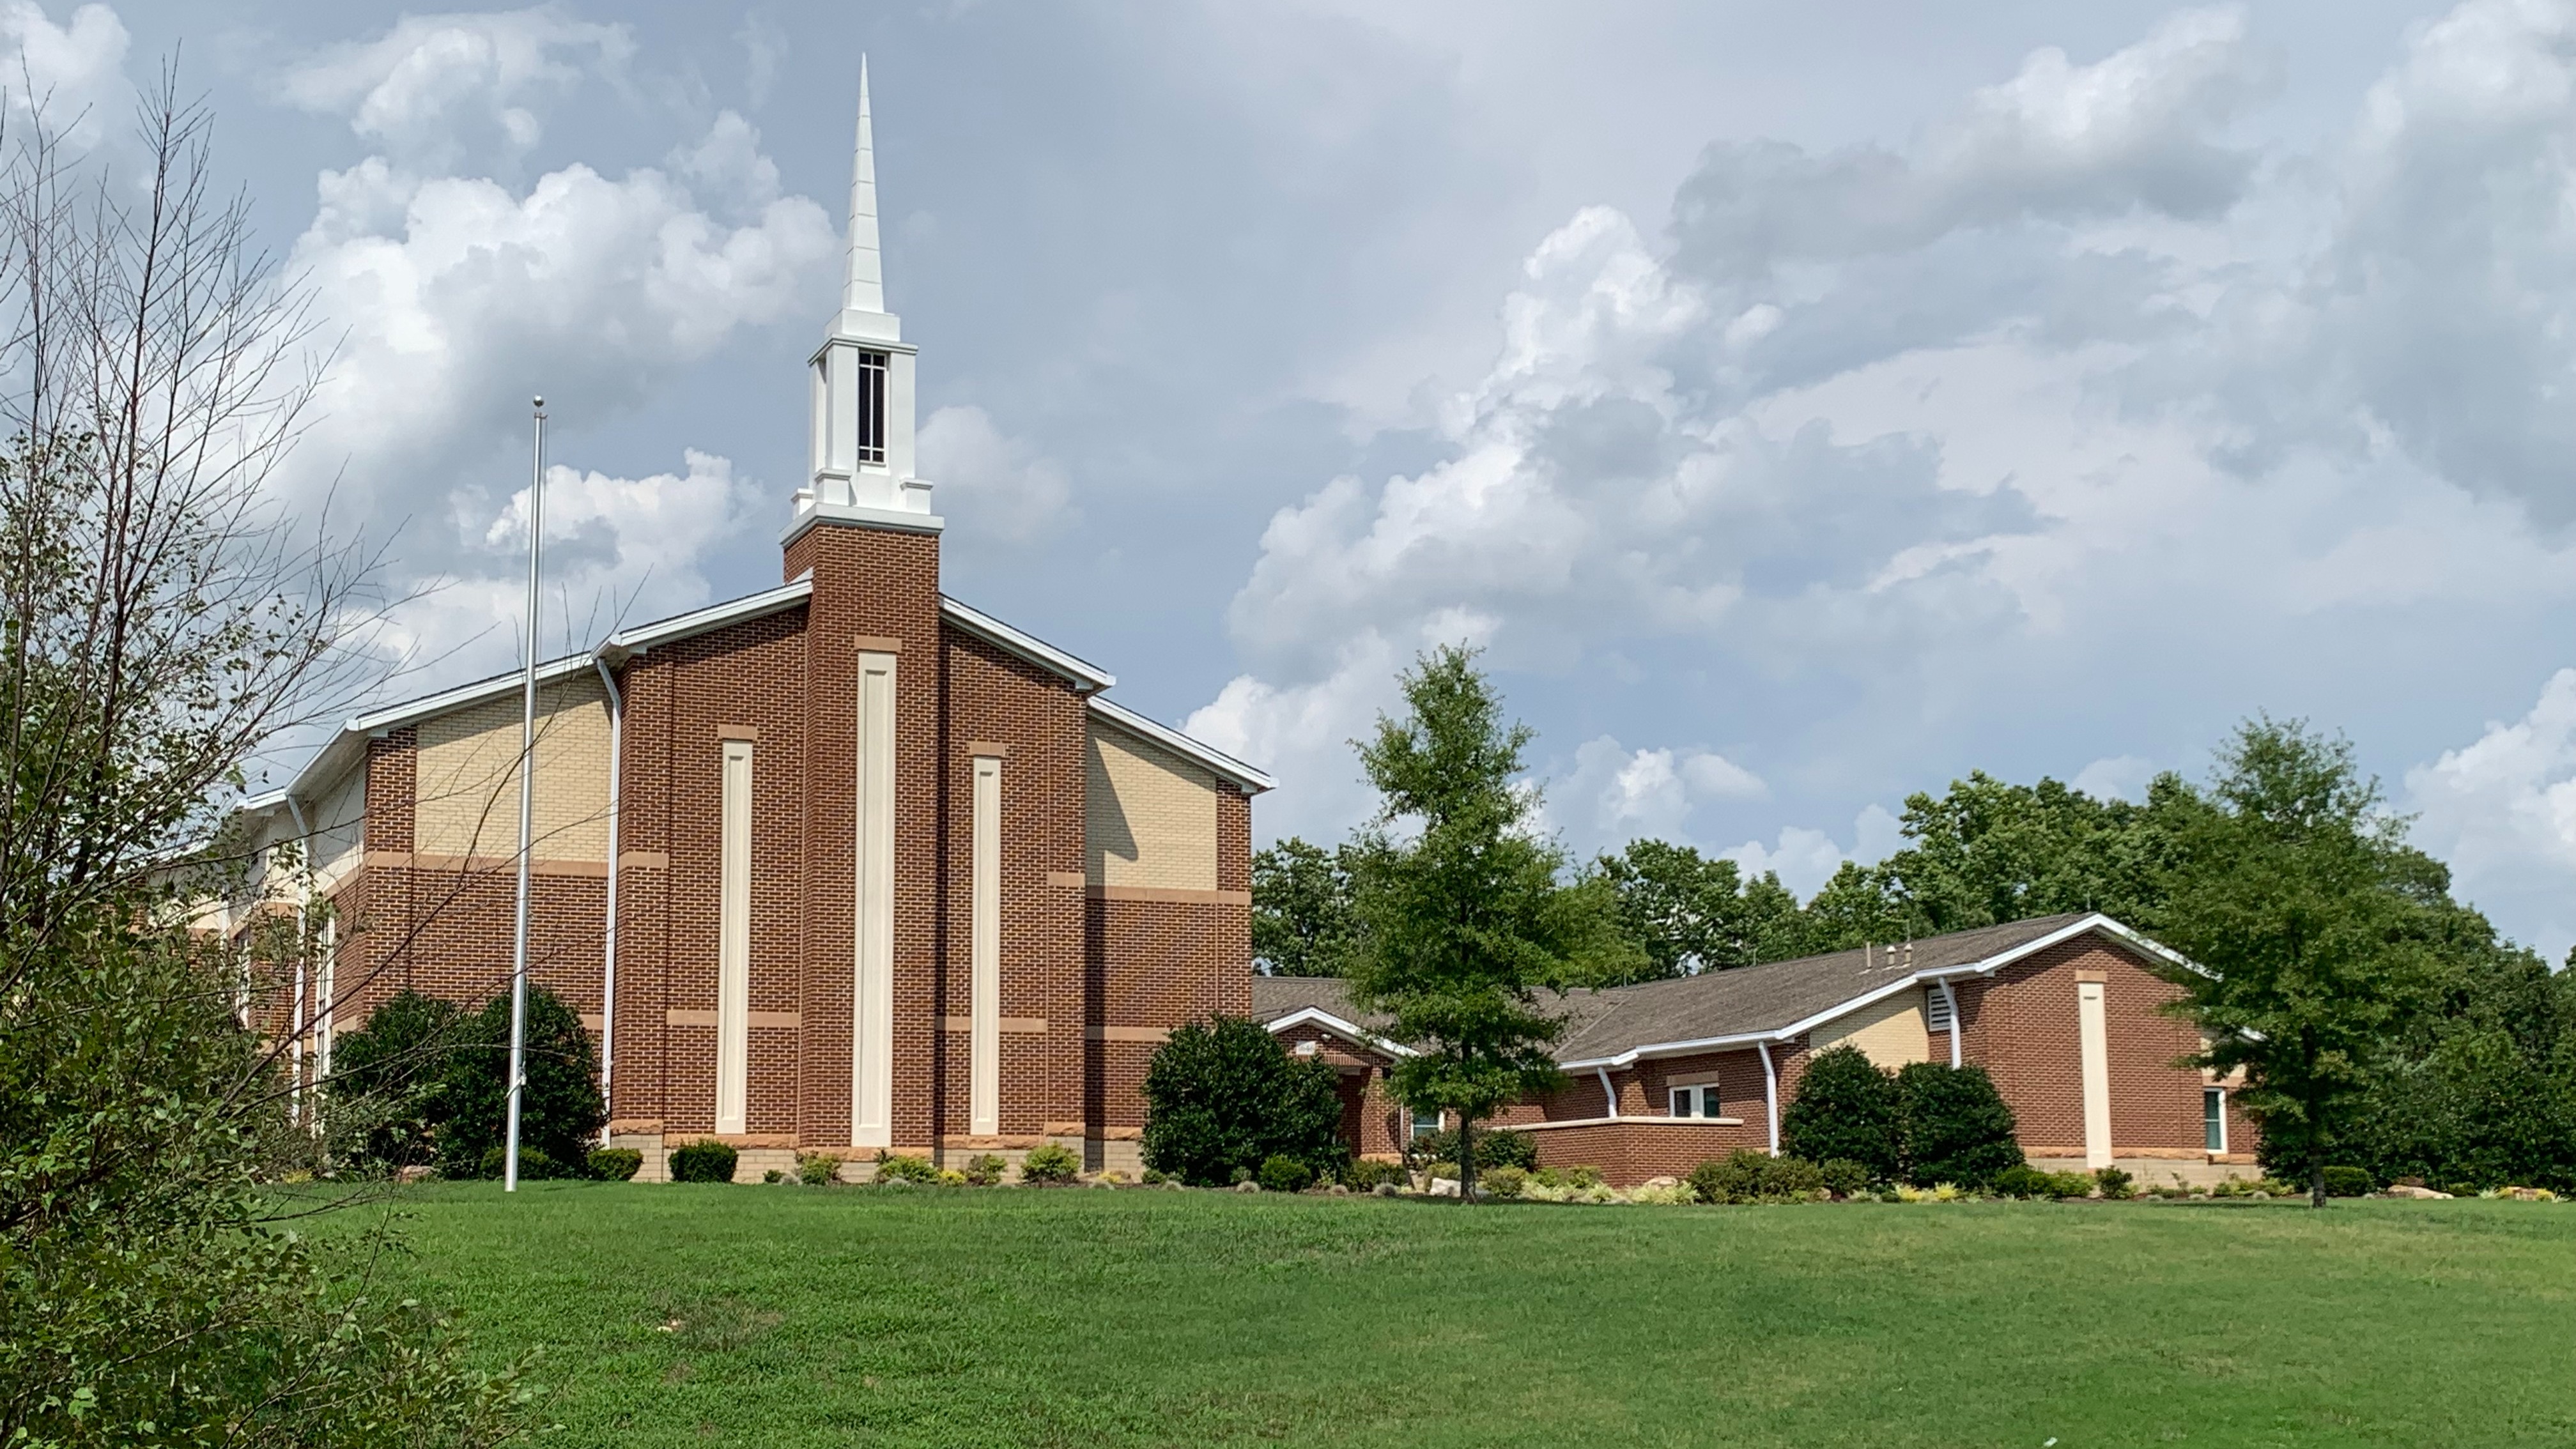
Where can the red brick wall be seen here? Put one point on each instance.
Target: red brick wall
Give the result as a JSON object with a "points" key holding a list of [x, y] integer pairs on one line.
{"points": [[1374, 1124], [1629, 1152], [2022, 1028]]}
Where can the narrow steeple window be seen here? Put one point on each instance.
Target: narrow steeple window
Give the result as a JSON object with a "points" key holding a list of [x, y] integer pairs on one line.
{"points": [[872, 405]]}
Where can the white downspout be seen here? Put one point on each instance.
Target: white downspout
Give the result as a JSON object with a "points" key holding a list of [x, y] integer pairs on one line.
{"points": [[608, 969], [1609, 1094], [295, 1044], [1950, 999], [1770, 1094]]}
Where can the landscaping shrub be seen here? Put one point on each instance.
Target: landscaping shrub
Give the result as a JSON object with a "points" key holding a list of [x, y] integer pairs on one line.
{"points": [[1956, 1127], [560, 1112], [2349, 1182], [386, 1082], [905, 1167], [773, 1175], [984, 1169], [703, 1162], [1846, 1108], [1364, 1175], [817, 1169], [2020, 1180], [1223, 1096], [1493, 1149], [1051, 1162], [2065, 1185], [1749, 1176], [1282, 1173], [1504, 1182], [1448, 1170], [534, 1164], [952, 1177], [2115, 1184], [1567, 1177], [615, 1164], [1844, 1177]]}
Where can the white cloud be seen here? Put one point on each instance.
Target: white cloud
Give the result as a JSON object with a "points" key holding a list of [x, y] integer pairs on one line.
{"points": [[434, 81], [1615, 795], [1806, 858], [74, 72], [2116, 777], [2502, 811], [998, 486]]}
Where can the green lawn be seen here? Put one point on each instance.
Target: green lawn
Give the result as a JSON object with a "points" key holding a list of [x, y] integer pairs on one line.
{"points": [[787, 1316]]}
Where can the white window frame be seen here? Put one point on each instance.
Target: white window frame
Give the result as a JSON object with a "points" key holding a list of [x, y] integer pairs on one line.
{"points": [[1415, 1131], [1701, 1097], [2208, 1095]]}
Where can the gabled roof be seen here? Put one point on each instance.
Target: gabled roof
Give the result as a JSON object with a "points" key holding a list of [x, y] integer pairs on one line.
{"points": [[1281, 1002], [1775, 1002], [1226, 767], [1086, 677]]}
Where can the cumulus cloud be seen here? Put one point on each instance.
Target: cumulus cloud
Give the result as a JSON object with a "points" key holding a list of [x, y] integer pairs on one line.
{"points": [[1615, 794], [996, 485], [2502, 811], [435, 84], [73, 73], [1806, 858]]}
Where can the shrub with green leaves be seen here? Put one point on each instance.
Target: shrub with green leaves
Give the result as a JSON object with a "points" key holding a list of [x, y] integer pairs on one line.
{"points": [[2021, 1180], [906, 1167], [1504, 1182], [2067, 1186], [705, 1160], [2115, 1185], [1364, 1174], [1843, 1177], [388, 1077], [984, 1169], [1750, 1176], [1051, 1163], [615, 1164], [818, 1169], [535, 1164], [1223, 1095], [560, 1112], [1957, 1128], [2349, 1182], [1282, 1173], [1846, 1108], [1494, 1148]]}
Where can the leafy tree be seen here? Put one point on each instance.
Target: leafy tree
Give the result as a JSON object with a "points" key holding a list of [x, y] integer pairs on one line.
{"points": [[386, 1080], [1223, 1095], [1467, 921], [2309, 921], [2484, 1090], [1688, 913], [1957, 1126], [559, 1110], [1846, 1107], [1303, 919], [1860, 904], [160, 626]]}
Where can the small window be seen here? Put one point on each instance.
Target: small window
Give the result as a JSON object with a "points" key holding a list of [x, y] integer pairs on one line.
{"points": [[872, 401], [2213, 1117], [1936, 1009], [1425, 1122], [1695, 1101]]}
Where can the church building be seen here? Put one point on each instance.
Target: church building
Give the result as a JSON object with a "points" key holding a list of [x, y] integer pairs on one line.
{"points": [[843, 865]]}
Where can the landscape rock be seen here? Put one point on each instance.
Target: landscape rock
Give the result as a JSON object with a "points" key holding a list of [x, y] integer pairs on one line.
{"points": [[1247, 1186], [414, 1174], [1444, 1187], [2407, 1190], [1339, 1190], [1385, 1189], [1661, 1182]]}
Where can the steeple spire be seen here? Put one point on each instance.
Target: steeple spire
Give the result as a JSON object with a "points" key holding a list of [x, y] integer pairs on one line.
{"points": [[863, 284]]}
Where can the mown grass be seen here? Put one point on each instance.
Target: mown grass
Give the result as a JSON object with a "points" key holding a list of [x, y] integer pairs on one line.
{"points": [[793, 1316]]}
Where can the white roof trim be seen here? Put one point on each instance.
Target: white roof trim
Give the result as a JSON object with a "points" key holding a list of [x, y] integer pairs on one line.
{"points": [[1318, 1016], [1226, 766], [2096, 923], [1085, 675], [394, 716], [714, 616]]}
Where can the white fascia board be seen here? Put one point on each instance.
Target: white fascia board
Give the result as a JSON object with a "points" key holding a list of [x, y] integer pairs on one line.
{"points": [[412, 711], [1318, 1016], [715, 616], [1084, 674], [1629, 1057], [1226, 766]]}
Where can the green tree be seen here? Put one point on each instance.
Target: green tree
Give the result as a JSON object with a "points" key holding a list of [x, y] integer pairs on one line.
{"points": [[1957, 1127], [1688, 913], [386, 1080], [1468, 923], [1224, 1095], [1303, 919], [2306, 916]]}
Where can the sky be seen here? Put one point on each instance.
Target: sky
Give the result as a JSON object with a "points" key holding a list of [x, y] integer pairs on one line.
{"points": [[1802, 406]]}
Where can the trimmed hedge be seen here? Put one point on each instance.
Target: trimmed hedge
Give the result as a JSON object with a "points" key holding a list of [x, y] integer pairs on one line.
{"points": [[1957, 1128], [1846, 1109], [615, 1164], [1748, 1176], [1052, 1162], [703, 1162], [1282, 1173]]}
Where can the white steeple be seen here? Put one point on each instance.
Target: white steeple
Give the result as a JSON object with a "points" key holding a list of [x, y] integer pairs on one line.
{"points": [[863, 283], [862, 434]]}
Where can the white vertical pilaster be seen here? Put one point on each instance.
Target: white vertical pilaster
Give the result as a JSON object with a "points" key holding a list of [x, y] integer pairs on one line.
{"points": [[2092, 1030], [872, 1030], [733, 943], [984, 1067]]}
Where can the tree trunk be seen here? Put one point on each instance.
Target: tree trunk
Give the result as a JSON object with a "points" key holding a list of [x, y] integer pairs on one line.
{"points": [[2317, 1180], [1466, 1160]]}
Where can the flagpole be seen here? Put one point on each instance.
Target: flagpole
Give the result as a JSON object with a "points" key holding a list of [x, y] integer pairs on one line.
{"points": [[527, 810]]}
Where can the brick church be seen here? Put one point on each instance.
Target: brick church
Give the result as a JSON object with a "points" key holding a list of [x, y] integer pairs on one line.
{"points": [[844, 864]]}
